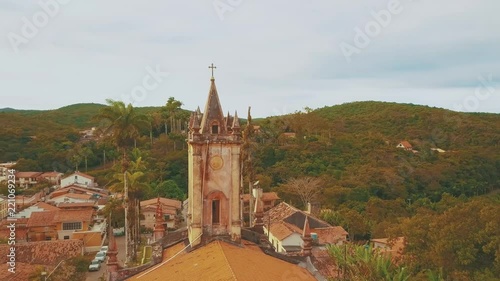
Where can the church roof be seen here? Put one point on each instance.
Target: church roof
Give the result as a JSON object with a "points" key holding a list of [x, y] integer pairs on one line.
{"points": [[213, 111], [219, 260]]}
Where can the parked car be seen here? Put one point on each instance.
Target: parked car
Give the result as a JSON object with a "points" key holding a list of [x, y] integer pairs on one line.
{"points": [[95, 265], [104, 249], [100, 256]]}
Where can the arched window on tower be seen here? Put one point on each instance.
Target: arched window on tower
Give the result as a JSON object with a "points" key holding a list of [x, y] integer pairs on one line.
{"points": [[215, 127]]}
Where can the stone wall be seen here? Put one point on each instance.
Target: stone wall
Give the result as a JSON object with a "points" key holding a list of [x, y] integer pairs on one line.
{"points": [[43, 252]]}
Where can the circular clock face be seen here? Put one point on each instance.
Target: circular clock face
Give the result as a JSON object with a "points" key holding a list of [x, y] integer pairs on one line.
{"points": [[216, 162]]}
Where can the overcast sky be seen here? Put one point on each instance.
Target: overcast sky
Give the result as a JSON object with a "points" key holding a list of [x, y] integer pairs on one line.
{"points": [[276, 56]]}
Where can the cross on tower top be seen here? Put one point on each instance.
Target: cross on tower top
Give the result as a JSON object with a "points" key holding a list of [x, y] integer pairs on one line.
{"points": [[212, 67]]}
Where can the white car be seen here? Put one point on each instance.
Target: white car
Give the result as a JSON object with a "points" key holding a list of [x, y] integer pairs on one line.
{"points": [[95, 265], [104, 249], [100, 256]]}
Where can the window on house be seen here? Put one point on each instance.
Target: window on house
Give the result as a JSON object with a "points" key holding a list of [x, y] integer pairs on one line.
{"points": [[66, 237], [72, 225], [48, 238], [216, 211]]}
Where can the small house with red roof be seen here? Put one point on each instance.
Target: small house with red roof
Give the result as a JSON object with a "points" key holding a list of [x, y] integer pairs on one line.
{"points": [[405, 145]]}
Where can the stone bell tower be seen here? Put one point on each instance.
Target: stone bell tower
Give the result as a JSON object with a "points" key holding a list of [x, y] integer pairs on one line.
{"points": [[214, 143]]}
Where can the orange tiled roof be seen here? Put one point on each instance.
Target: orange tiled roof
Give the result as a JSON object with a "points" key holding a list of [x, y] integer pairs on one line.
{"points": [[82, 175], [152, 209], [281, 230], [41, 219], [406, 144], [74, 215], [165, 201], [46, 207], [75, 188], [74, 196], [51, 174], [223, 261], [28, 174], [76, 204], [330, 235]]}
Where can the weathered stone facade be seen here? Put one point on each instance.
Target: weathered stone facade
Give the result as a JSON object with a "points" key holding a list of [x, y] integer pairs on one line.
{"points": [[213, 172]]}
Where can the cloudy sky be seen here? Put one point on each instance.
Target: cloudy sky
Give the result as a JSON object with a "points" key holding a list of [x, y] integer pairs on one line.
{"points": [[276, 56]]}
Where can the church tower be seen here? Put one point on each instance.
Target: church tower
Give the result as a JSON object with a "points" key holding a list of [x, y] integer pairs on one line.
{"points": [[214, 143]]}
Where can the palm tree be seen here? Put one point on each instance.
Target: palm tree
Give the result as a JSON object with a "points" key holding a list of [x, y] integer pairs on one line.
{"points": [[122, 124]]}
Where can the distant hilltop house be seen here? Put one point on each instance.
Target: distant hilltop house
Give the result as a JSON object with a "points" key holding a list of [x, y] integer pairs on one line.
{"points": [[438, 150], [405, 145], [80, 179]]}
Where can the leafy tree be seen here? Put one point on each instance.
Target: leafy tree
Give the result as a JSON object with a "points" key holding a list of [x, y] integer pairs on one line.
{"points": [[361, 262]]}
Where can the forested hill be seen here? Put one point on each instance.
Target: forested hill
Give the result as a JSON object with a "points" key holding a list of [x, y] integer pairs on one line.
{"points": [[353, 148]]}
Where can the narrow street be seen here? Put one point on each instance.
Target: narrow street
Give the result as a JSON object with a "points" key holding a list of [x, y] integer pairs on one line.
{"points": [[95, 275]]}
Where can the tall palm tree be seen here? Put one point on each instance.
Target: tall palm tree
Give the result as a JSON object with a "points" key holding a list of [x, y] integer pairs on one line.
{"points": [[122, 124]]}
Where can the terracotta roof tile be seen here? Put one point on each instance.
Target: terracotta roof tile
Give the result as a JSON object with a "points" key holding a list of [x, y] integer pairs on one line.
{"points": [[165, 201], [223, 261], [46, 207], [281, 230], [74, 215], [28, 174], [330, 235], [42, 219]]}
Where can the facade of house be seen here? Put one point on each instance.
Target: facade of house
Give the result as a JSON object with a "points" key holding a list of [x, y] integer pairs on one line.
{"points": [[78, 178], [69, 221], [170, 209], [27, 179], [41, 226], [53, 178]]}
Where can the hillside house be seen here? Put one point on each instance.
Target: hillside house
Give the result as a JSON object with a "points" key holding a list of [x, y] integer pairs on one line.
{"points": [[170, 209], [4, 207], [405, 145], [53, 178], [79, 179], [284, 225], [27, 179], [41, 226]]}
